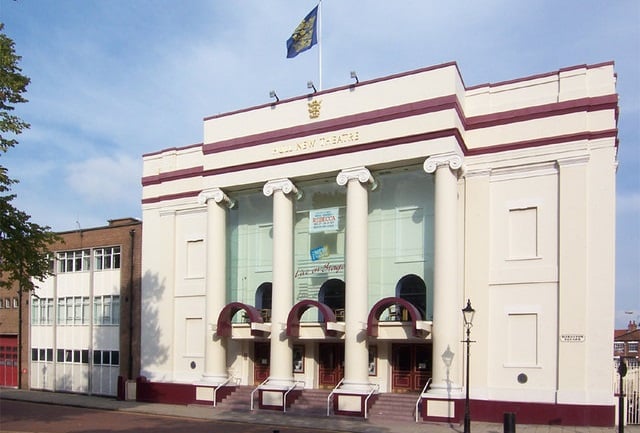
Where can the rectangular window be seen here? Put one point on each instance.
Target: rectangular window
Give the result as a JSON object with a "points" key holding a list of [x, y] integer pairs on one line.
{"points": [[115, 357], [74, 261], [97, 357], [49, 354], [633, 346], [34, 354], [85, 310], [1, 303], [77, 310], [60, 355], [41, 355], [85, 356], [49, 311], [107, 258], [106, 310], [7, 302], [15, 302], [35, 310], [76, 356], [97, 310], [69, 311], [62, 310], [106, 359], [618, 347]]}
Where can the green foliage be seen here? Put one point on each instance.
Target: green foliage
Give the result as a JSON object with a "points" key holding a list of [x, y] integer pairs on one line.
{"points": [[23, 244], [12, 86]]}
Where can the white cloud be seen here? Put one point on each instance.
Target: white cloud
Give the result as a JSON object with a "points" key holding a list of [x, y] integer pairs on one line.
{"points": [[106, 179]]}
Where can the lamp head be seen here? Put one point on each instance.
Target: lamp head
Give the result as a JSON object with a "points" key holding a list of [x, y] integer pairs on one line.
{"points": [[311, 86], [467, 313], [355, 76]]}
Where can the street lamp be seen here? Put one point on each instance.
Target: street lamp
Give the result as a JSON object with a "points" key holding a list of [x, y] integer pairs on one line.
{"points": [[467, 313]]}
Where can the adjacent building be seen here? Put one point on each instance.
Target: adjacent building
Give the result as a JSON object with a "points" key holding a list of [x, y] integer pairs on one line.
{"points": [[331, 240], [626, 342], [11, 321], [85, 329]]}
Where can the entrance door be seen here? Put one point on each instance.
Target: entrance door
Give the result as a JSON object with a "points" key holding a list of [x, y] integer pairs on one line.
{"points": [[261, 356], [331, 364], [8, 361], [411, 366]]}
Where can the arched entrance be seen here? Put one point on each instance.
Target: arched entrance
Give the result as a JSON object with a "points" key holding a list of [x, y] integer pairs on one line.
{"points": [[413, 289], [262, 349], [263, 301], [331, 293]]}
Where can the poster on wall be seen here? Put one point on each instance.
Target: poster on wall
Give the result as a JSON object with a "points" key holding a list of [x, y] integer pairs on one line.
{"points": [[323, 220]]}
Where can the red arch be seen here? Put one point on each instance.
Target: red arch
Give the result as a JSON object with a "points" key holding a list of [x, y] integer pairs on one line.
{"points": [[383, 304], [229, 310], [293, 320]]}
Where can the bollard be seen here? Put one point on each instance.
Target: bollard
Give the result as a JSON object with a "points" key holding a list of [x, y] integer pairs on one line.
{"points": [[509, 422]]}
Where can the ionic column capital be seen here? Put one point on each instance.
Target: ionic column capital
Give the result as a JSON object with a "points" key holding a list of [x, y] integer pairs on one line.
{"points": [[453, 160], [361, 174], [284, 185], [217, 195]]}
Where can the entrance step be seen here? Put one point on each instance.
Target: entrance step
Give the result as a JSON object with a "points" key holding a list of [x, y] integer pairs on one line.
{"points": [[238, 400], [396, 407], [310, 402]]}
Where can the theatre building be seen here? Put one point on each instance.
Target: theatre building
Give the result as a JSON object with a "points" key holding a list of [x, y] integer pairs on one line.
{"points": [[330, 241]]}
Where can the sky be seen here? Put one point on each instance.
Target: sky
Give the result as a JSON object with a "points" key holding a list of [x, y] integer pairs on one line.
{"points": [[112, 80]]}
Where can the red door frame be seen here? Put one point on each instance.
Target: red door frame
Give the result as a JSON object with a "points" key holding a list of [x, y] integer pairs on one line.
{"points": [[330, 364], [9, 360], [411, 366]]}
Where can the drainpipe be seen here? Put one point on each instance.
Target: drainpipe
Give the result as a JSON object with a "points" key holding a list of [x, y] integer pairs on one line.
{"points": [[132, 233]]}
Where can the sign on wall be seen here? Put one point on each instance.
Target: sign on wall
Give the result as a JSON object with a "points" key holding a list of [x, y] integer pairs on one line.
{"points": [[323, 220]]}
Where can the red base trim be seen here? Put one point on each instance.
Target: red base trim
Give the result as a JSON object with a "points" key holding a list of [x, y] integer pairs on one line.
{"points": [[529, 413], [174, 393]]}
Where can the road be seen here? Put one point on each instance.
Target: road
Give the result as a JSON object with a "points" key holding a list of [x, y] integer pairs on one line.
{"points": [[27, 417]]}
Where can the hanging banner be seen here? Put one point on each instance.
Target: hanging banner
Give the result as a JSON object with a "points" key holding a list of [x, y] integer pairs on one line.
{"points": [[323, 220]]}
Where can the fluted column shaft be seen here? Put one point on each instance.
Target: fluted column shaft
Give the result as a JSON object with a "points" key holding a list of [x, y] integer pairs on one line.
{"points": [[356, 362], [215, 356], [447, 296], [281, 363]]}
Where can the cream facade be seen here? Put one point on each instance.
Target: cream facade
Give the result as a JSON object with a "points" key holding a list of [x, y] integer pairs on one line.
{"points": [[331, 240]]}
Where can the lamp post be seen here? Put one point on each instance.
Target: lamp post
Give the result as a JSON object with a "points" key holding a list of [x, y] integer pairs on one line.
{"points": [[467, 313]]}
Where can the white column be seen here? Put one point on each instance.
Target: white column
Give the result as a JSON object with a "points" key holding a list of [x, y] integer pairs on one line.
{"points": [[356, 353], [281, 366], [447, 295], [215, 355]]}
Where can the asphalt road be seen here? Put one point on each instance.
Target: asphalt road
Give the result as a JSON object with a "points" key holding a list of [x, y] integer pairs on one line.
{"points": [[27, 417]]}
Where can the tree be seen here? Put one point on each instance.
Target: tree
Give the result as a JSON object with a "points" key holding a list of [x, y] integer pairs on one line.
{"points": [[23, 243]]}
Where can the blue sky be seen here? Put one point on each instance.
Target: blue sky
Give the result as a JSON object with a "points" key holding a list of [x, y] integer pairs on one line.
{"points": [[112, 80]]}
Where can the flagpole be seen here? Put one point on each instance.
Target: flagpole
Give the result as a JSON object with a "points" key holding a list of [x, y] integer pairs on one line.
{"points": [[320, 43]]}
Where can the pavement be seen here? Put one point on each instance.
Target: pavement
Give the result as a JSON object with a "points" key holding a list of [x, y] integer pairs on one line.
{"points": [[336, 423]]}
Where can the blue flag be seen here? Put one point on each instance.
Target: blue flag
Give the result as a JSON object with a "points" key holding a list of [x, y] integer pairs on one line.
{"points": [[304, 36]]}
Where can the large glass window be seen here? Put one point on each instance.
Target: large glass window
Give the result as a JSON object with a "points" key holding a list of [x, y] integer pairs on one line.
{"points": [[319, 238], [250, 242], [401, 237]]}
